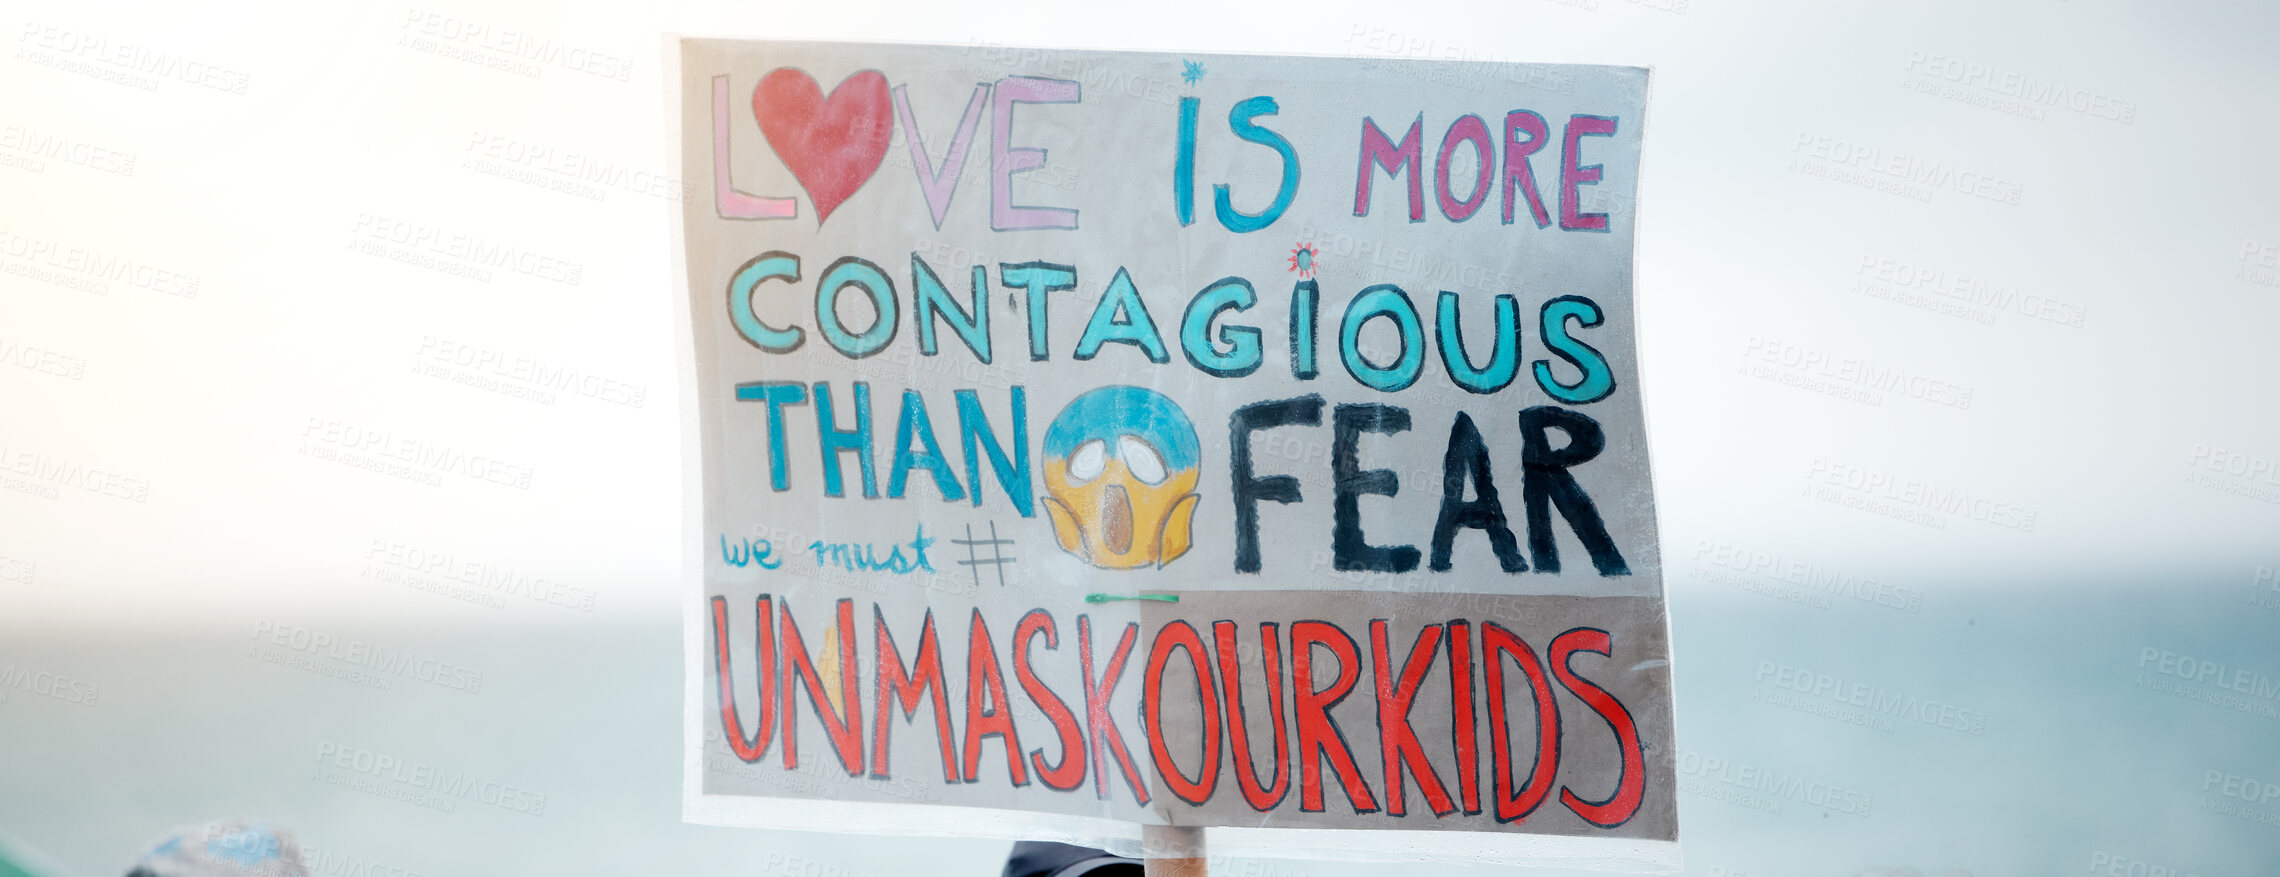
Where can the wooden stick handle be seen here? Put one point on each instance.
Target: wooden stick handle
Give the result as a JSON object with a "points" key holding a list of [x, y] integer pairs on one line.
{"points": [[1172, 851]]}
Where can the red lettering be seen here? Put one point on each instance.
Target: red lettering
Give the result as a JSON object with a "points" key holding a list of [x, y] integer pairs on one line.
{"points": [[751, 748], [1574, 173], [1181, 635], [1631, 786], [1070, 773], [1516, 169], [1318, 734], [1464, 729], [1397, 740], [846, 731], [1497, 642], [1260, 798], [1105, 737], [1466, 129], [988, 719], [898, 688], [1409, 157]]}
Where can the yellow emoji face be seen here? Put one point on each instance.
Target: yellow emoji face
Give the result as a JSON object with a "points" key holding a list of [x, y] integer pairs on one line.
{"points": [[1120, 476]]}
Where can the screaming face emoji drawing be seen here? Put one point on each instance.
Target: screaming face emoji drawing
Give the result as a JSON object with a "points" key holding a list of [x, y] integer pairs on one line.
{"points": [[1120, 475]]}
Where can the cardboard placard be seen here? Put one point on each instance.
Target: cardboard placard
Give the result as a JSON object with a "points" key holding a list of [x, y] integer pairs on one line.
{"points": [[1096, 439]]}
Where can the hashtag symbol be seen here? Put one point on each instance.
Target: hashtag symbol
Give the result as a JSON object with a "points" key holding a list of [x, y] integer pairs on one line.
{"points": [[975, 562]]}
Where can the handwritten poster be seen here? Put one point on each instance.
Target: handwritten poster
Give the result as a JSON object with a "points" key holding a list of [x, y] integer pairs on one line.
{"points": [[1085, 440]]}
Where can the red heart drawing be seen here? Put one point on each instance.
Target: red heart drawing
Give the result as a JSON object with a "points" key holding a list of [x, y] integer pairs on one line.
{"points": [[832, 145]]}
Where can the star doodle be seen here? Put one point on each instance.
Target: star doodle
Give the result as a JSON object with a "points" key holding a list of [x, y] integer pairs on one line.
{"points": [[1302, 259]]}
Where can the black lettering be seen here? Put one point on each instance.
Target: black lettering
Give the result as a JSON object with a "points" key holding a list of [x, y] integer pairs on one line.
{"points": [[1348, 550], [1468, 459], [1546, 483], [1249, 490]]}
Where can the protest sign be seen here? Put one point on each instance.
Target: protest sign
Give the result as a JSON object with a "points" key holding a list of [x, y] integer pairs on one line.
{"points": [[1089, 440]]}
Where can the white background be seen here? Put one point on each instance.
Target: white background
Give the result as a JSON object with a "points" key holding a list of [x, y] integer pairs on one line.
{"points": [[1754, 240]]}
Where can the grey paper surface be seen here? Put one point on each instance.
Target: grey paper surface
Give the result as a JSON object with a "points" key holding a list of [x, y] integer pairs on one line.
{"points": [[1211, 368]]}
